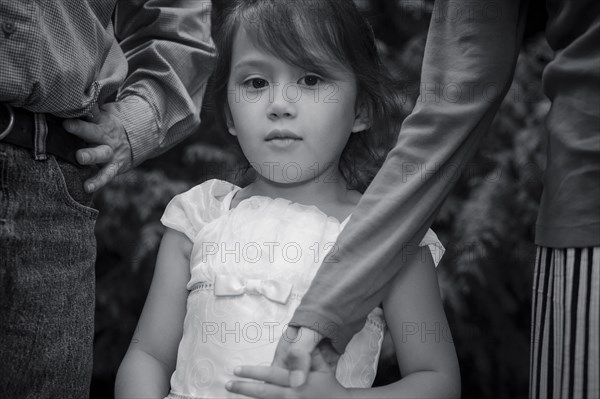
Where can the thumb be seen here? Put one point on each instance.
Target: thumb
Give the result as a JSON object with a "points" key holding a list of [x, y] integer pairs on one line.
{"points": [[299, 355], [299, 365], [280, 359]]}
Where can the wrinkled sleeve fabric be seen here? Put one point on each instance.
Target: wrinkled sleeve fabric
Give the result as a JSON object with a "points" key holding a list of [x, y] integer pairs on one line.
{"points": [[190, 211], [470, 55], [184, 213], [170, 55]]}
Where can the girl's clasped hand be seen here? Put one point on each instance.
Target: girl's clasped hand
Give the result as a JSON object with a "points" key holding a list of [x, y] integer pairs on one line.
{"points": [[272, 382]]}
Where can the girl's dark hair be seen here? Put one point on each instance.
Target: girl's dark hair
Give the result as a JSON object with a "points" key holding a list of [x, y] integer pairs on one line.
{"points": [[315, 35]]}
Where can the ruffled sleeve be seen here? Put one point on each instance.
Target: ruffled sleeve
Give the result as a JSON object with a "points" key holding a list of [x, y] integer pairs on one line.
{"points": [[435, 246], [188, 212]]}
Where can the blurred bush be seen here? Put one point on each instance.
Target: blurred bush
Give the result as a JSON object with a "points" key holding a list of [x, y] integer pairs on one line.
{"points": [[486, 224]]}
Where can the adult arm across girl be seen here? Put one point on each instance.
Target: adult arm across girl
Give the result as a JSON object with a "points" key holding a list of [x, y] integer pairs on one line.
{"points": [[468, 67]]}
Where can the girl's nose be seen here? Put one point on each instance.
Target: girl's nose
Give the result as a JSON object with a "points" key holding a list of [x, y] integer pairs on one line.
{"points": [[281, 107]]}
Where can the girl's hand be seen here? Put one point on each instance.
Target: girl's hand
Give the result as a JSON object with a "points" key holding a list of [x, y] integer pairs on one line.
{"points": [[274, 382]]}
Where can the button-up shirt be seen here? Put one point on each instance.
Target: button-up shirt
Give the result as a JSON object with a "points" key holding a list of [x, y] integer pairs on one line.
{"points": [[151, 57]]}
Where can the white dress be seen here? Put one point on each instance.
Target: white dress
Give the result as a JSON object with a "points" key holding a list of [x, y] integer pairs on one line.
{"points": [[250, 267]]}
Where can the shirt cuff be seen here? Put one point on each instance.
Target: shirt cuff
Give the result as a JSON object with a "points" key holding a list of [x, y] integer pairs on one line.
{"points": [[330, 327], [139, 120]]}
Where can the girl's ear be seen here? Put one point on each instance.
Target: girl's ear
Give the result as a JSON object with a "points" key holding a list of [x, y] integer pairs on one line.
{"points": [[362, 120], [229, 121]]}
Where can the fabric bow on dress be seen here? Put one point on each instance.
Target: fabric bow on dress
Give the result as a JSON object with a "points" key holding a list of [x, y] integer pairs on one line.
{"points": [[230, 285]]}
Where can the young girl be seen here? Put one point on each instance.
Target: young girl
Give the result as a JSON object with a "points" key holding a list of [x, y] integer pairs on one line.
{"points": [[302, 88]]}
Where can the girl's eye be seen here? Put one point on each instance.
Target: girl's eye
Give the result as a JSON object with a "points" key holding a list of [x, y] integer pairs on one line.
{"points": [[256, 83], [311, 80]]}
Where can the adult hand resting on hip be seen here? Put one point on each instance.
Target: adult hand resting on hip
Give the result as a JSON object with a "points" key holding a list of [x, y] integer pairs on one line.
{"points": [[112, 147]]}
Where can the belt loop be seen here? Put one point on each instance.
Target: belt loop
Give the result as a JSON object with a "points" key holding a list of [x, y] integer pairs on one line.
{"points": [[41, 132]]}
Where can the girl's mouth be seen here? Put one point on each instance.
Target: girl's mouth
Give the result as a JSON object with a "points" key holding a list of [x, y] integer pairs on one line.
{"points": [[283, 142], [282, 135]]}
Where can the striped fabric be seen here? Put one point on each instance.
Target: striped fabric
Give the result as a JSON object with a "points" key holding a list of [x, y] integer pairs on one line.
{"points": [[565, 332]]}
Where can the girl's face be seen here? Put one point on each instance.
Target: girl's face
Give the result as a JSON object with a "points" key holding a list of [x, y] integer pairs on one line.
{"points": [[292, 124]]}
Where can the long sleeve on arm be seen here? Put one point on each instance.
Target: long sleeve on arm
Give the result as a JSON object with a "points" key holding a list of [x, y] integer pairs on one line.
{"points": [[467, 69], [170, 55]]}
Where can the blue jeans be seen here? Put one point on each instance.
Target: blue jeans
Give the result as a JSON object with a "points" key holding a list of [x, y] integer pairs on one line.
{"points": [[47, 279]]}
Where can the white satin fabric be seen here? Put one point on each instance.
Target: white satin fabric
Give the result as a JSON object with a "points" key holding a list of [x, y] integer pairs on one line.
{"points": [[250, 267]]}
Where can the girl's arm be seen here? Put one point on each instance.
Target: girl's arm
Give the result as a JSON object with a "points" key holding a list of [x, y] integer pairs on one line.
{"points": [[150, 360], [418, 326], [415, 316]]}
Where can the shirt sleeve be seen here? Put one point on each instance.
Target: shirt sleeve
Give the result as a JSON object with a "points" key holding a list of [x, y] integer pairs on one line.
{"points": [[190, 211], [472, 55], [170, 55], [185, 212]]}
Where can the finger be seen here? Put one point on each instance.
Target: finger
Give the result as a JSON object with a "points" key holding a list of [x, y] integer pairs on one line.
{"points": [[91, 156], [102, 178], [87, 131], [272, 375], [318, 362], [329, 353], [257, 389]]}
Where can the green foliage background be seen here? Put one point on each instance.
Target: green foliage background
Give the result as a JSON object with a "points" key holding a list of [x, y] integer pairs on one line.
{"points": [[486, 224]]}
